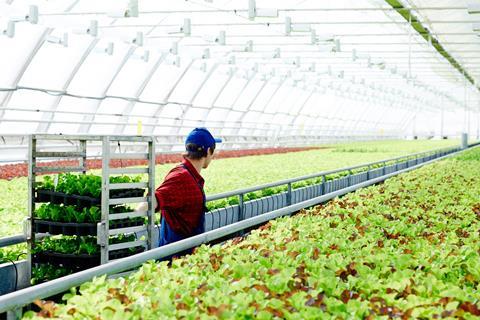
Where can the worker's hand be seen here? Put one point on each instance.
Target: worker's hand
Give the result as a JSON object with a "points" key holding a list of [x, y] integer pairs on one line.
{"points": [[144, 205]]}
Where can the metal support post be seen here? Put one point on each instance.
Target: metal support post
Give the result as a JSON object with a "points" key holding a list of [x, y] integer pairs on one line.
{"points": [[102, 231], [464, 140], [241, 213], [324, 181], [289, 194], [151, 193], [83, 160], [29, 234]]}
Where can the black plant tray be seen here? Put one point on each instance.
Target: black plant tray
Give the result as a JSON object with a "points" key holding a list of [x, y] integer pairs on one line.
{"points": [[127, 193], [117, 254], [66, 228], [84, 201], [125, 223], [66, 199], [79, 229], [80, 261], [67, 260]]}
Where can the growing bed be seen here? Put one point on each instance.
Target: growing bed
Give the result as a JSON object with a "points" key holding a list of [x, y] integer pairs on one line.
{"points": [[405, 248]]}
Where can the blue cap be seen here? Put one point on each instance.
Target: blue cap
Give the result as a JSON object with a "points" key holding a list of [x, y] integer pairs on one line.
{"points": [[202, 138]]}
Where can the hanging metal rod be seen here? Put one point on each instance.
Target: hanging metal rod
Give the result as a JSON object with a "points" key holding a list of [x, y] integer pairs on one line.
{"points": [[337, 57], [267, 24], [309, 43], [35, 109], [296, 35], [235, 11], [281, 44]]}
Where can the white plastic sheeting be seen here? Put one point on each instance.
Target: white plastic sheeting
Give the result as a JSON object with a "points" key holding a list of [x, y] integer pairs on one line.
{"points": [[243, 68]]}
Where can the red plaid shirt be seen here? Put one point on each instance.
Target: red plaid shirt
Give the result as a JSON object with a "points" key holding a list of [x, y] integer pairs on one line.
{"points": [[180, 199]]}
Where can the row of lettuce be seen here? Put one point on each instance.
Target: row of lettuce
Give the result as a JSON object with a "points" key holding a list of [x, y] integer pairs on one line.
{"points": [[407, 248], [266, 192], [90, 186]]}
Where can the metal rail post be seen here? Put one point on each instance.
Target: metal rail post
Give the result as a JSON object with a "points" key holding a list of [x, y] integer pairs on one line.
{"points": [[240, 207], [83, 159], [29, 234], [324, 181], [289, 193], [151, 193]]}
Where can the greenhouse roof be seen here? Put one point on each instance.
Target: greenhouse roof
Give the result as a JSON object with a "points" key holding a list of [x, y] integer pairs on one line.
{"points": [[244, 68]]}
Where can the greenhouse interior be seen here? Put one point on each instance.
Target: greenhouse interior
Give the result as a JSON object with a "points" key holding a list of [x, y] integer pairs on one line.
{"points": [[239, 159]]}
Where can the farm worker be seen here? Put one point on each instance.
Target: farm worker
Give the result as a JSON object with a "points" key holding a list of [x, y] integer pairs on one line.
{"points": [[181, 198]]}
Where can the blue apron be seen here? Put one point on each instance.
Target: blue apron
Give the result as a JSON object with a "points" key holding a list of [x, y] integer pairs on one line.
{"points": [[167, 235]]}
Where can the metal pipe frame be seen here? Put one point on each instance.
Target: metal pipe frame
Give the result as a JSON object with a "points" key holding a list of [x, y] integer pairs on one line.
{"points": [[22, 297], [104, 225], [154, 103], [28, 227], [388, 10], [234, 11], [266, 24], [221, 122]]}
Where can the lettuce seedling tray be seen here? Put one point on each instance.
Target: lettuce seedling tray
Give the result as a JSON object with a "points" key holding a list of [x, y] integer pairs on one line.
{"points": [[84, 201], [80, 229], [82, 261]]}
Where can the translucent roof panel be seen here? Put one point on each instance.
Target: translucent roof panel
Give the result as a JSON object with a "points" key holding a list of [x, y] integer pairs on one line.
{"points": [[17, 51], [58, 61], [97, 73], [294, 67], [164, 81], [212, 87], [135, 74]]}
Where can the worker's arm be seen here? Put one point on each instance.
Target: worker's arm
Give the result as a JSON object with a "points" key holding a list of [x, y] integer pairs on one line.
{"points": [[166, 196]]}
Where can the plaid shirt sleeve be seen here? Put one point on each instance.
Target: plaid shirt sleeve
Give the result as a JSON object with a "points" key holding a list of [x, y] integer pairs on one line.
{"points": [[169, 193]]}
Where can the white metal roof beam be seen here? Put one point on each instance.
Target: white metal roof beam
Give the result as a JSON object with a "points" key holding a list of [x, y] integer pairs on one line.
{"points": [[236, 11]]}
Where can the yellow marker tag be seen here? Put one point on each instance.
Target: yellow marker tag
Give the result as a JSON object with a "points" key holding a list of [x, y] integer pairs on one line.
{"points": [[139, 128]]}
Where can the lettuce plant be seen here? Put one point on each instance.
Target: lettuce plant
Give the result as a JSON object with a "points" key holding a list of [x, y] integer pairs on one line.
{"points": [[407, 248]]}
